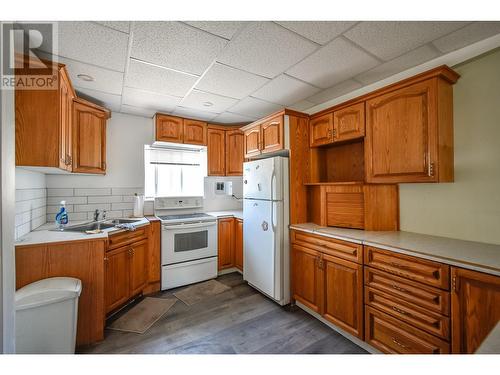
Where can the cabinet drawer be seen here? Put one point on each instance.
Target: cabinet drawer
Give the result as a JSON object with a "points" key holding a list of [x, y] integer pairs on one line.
{"points": [[391, 335], [126, 237], [426, 320], [424, 271], [337, 248], [410, 291]]}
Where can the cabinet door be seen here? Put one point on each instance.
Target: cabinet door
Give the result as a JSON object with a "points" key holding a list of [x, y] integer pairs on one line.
{"points": [[252, 141], [89, 139], [234, 153], [307, 285], [238, 244], [169, 129], [216, 152], [226, 243], [117, 278], [349, 123], [475, 308], [343, 304], [272, 135], [321, 130], [65, 114], [138, 266], [401, 139], [195, 132]]}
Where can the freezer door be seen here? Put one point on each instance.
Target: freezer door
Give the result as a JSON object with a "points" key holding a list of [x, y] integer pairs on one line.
{"points": [[259, 245], [262, 179]]}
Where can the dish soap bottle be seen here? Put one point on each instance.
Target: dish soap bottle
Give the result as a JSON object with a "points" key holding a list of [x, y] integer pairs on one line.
{"points": [[62, 216]]}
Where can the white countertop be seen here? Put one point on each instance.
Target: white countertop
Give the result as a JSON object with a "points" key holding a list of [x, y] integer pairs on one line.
{"points": [[45, 234], [476, 256], [228, 213]]}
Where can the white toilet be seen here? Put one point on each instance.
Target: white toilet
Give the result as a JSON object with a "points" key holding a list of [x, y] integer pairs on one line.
{"points": [[46, 316]]}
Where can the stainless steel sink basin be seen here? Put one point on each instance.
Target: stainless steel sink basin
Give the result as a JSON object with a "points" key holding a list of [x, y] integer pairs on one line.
{"points": [[88, 226], [122, 221]]}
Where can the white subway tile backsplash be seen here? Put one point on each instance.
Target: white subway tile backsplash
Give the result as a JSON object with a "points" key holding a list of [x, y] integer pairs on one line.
{"points": [[30, 209], [122, 206], [58, 192], [127, 191], [92, 207], [128, 198], [105, 199], [69, 200], [128, 213], [25, 206], [29, 194], [93, 192]]}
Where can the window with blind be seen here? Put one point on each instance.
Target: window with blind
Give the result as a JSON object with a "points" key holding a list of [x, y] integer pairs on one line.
{"points": [[174, 171]]}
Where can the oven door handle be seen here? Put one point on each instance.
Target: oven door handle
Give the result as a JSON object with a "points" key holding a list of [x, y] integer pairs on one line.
{"points": [[204, 224]]}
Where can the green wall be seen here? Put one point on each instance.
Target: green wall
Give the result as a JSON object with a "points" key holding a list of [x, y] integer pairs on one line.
{"points": [[469, 208]]}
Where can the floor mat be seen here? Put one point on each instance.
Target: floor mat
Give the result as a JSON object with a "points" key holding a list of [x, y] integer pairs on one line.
{"points": [[143, 315], [198, 292]]}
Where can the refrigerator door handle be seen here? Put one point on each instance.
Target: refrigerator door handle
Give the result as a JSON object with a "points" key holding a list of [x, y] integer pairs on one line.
{"points": [[273, 178]]}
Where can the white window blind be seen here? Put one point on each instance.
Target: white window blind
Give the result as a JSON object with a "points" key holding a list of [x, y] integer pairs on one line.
{"points": [[174, 172]]}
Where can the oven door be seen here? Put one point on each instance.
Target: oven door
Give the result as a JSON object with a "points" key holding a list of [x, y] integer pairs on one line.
{"points": [[185, 242]]}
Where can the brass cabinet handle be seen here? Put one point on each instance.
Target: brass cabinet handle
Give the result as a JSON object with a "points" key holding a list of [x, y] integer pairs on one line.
{"points": [[394, 286], [395, 341], [431, 169], [334, 132], [398, 310], [330, 134]]}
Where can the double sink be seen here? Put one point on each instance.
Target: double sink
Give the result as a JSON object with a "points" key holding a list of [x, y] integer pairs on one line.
{"points": [[93, 225]]}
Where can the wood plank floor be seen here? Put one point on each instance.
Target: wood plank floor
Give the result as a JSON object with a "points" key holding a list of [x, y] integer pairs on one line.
{"points": [[238, 321]]}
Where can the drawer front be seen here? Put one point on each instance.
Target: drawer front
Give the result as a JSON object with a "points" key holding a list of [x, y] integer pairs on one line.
{"points": [[423, 319], [337, 248], [410, 291], [422, 270], [391, 335], [126, 237]]}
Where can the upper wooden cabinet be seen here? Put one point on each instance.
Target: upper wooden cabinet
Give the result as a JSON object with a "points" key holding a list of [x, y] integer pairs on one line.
{"points": [[43, 124], [216, 152], [89, 137], [180, 130], [409, 130], [321, 130], [234, 153], [195, 132], [475, 308], [263, 137]]}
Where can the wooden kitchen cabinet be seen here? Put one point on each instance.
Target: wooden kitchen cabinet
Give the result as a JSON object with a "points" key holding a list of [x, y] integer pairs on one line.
{"points": [[252, 141], [307, 277], [234, 153], [272, 135], [238, 244], [43, 122], [216, 152], [225, 241], [475, 308], [169, 128], [89, 137], [349, 123], [343, 283], [117, 288], [321, 130], [138, 266], [195, 132], [409, 130]]}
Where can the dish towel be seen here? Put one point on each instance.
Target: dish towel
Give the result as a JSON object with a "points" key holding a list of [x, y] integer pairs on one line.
{"points": [[127, 226]]}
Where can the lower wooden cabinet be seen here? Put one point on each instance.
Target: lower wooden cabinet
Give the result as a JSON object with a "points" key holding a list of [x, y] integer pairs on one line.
{"points": [[306, 277], [138, 267], [238, 244], [475, 306], [230, 243]]}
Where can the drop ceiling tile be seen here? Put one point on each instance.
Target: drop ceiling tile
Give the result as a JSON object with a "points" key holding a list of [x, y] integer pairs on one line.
{"points": [[390, 39], [333, 63], [285, 90], [110, 101], [105, 80], [160, 80], [265, 48], [175, 45], [224, 29], [302, 105], [232, 118], [228, 81], [197, 100], [472, 33], [136, 111], [194, 114], [91, 43], [123, 26], [335, 91], [320, 32], [253, 107], [399, 64], [149, 100]]}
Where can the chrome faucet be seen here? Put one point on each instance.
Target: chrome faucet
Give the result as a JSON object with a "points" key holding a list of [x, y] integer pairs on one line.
{"points": [[97, 213]]}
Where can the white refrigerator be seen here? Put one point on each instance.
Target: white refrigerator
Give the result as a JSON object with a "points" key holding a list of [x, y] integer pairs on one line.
{"points": [[265, 227]]}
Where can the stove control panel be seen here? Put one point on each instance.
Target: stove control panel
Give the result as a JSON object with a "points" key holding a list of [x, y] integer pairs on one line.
{"points": [[175, 203]]}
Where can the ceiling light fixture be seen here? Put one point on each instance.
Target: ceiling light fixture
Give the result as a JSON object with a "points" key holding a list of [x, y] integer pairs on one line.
{"points": [[85, 77], [208, 104]]}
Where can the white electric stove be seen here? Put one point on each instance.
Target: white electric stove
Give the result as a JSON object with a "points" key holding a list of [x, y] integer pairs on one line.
{"points": [[188, 241]]}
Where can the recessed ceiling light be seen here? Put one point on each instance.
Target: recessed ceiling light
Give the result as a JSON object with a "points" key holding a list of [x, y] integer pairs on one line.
{"points": [[85, 77], [208, 104]]}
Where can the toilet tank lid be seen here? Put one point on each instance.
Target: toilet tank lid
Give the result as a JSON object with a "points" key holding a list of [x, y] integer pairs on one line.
{"points": [[47, 291]]}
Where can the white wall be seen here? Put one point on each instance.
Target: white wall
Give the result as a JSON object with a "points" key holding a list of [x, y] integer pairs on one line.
{"points": [[31, 201]]}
